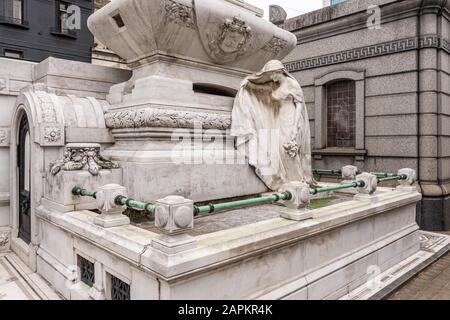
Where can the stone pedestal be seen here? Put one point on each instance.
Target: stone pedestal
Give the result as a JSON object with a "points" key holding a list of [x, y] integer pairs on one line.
{"points": [[111, 213]]}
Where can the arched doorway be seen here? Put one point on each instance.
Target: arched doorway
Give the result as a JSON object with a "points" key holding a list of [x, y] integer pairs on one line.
{"points": [[23, 164]]}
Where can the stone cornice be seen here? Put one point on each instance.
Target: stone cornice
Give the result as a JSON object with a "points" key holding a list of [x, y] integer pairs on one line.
{"points": [[353, 10], [376, 50]]}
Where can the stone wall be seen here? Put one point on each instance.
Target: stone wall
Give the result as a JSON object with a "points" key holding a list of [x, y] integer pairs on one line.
{"points": [[403, 71], [65, 77]]}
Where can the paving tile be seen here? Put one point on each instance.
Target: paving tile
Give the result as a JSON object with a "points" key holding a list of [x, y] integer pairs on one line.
{"points": [[431, 284], [18, 282]]}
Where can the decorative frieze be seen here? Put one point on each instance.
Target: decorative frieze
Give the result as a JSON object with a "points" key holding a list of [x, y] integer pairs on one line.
{"points": [[163, 118], [275, 45], [381, 49], [82, 156], [180, 14]]}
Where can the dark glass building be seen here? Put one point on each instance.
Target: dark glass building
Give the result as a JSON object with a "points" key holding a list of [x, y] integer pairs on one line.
{"points": [[36, 29]]}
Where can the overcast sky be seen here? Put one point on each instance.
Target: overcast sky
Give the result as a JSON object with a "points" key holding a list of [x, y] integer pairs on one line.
{"points": [[292, 7]]}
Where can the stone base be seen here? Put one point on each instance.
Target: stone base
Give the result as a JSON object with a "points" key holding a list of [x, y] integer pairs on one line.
{"points": [[372, 198], [173, 244], [322, 258], [111, 220], [198, 180], [433, 246], [296, 215]]}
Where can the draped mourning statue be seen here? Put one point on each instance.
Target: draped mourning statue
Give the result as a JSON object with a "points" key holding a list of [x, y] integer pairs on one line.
{"points": [[271, 125]]}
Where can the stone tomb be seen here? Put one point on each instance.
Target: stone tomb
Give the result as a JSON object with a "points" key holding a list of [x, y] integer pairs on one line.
{"points": [[187, 61]]}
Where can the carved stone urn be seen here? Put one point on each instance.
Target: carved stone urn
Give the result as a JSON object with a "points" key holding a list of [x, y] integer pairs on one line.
{"points": [[189, 39], [225, 32]]}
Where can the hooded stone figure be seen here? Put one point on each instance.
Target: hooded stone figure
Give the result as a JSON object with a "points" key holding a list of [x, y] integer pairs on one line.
{"points": [[271, 126]]}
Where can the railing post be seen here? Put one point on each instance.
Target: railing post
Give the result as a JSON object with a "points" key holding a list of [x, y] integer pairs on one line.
{"points": [[174, 216], [349, 173], [408, 183], [296, 207], [369, 187], [111, 213]]}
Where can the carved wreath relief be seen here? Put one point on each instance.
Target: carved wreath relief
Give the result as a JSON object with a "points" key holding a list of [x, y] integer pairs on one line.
{"points": [[231, 41], [80, 157], [275, 45], [179, 14]]}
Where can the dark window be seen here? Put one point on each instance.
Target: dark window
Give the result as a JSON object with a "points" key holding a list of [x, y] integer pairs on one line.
{"points": [[13, 14], [87, 271], [341, 114], [18, 10], [63, 27], [119, 289], [62, 16], [16, 54], [119, 21]]}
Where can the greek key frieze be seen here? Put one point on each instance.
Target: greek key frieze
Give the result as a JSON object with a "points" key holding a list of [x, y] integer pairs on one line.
{"points": [[391, 47]]}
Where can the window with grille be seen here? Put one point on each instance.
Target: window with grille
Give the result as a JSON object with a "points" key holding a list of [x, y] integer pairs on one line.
{"points": [[119, 290], [16, 54], [87, 271], [341, 114]]}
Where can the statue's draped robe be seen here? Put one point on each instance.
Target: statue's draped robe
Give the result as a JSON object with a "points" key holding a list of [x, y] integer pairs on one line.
{"points": [[257, 118]]}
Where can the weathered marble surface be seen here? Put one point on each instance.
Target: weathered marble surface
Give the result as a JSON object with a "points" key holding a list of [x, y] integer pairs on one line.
{"points": [[271, 125]]}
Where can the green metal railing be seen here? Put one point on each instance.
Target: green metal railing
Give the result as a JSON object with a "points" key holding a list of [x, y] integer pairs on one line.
{"points": [[149, 208], [77, 191], [339, 172], [354, 184], [393, 178], [208, 209]]}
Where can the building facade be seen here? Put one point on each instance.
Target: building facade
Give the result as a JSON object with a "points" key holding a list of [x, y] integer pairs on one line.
{"points": [[37, 29], [378, 91]]}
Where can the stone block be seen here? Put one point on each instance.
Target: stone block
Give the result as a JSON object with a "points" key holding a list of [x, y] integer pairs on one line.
{"points": [[174, 214], [58, 188], [111, 213]]}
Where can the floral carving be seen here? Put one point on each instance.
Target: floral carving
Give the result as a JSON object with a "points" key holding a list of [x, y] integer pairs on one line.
{"points": [[79, 157], [292, 149], [275, 45], [163, 118], [52, 134], [179, 13], [4, 239]]}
